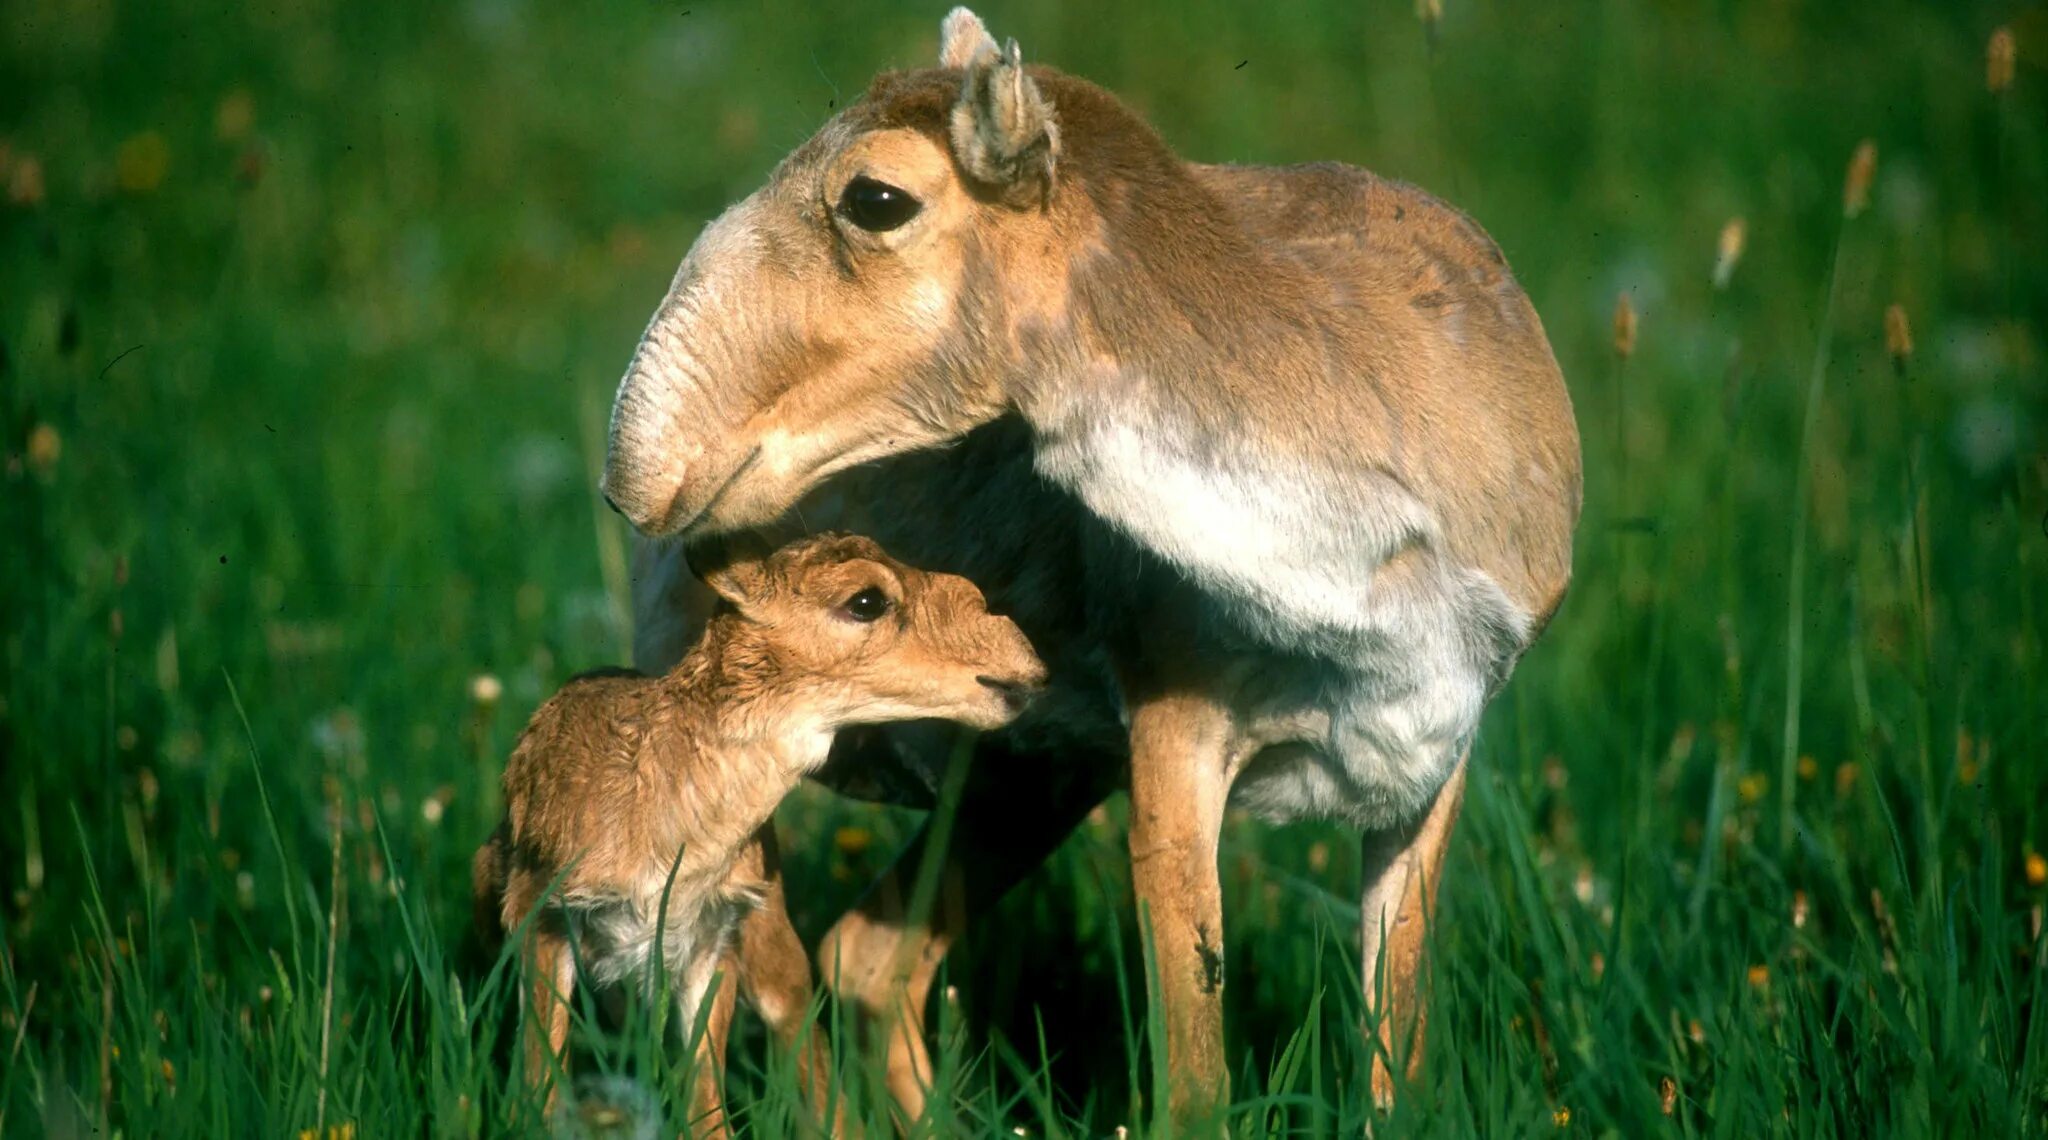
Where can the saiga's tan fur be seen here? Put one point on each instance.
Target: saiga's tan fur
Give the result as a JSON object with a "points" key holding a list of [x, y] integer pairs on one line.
{"points": [[1338, 367]]}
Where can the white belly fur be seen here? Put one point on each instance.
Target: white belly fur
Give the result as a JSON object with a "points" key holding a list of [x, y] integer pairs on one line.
{"points": [[616, 939], [1301, 560]]}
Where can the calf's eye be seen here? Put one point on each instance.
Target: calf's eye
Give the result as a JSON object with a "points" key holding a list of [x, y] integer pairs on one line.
{"points": [[877, 206], [868, 605]]}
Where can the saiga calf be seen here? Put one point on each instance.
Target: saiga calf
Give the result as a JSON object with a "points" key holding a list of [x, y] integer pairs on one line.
{"points": [[635, 806]]}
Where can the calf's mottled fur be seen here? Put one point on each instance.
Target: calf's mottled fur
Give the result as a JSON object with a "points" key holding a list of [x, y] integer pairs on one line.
{"points": [[636, 805]]}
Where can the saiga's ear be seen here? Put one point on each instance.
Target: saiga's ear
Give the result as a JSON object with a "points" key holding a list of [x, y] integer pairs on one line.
{"points": [[963, 38], [1002, 128], [733, 565]]}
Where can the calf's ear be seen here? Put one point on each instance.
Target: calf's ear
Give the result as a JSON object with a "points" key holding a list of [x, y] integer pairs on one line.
{"points": [[733, 565], [1002, 127]]}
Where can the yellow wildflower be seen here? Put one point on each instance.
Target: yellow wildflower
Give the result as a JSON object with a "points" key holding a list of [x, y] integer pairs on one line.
{"points": [[1998, 58], [25, 181], [142, 162], [1856, 185], [1752, 786], [1728, 251], [236, 115], [1624, 327], [45, 447]]}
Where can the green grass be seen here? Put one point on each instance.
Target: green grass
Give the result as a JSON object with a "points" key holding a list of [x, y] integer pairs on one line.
{"points": [[326, 399]]}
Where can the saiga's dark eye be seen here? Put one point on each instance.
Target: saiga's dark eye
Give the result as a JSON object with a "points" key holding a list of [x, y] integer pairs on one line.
{"points": [[876, 206], [868, 605]]}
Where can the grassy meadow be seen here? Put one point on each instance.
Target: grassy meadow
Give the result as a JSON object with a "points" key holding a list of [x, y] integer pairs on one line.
{"points": [[310, 316]]}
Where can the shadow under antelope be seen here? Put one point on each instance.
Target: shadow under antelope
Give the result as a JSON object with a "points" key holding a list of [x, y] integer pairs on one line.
{"points": [[633, 802], [1273, 464]]}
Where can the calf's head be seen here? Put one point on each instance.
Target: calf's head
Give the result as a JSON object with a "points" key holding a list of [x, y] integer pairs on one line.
{"points": [[863, 303], [865, 639]]}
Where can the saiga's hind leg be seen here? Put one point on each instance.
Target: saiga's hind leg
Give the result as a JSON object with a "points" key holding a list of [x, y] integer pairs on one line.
{"points": [[1401, 871]]}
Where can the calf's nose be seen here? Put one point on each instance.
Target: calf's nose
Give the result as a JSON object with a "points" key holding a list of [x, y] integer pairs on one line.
{"points": [[1015, 694]]}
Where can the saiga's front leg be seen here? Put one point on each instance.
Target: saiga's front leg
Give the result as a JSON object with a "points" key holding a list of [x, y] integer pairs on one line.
{"points": [[1180, 779]]}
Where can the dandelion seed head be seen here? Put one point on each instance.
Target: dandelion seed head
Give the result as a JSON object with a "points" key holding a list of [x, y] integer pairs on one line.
{"points": [[1431, 13], [611, 1106]]}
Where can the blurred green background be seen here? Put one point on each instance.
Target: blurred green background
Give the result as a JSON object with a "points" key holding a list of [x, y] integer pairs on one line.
{"points": [[311, 316]]}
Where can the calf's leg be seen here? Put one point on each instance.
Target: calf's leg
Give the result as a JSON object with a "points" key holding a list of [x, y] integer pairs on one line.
{"points": [[707, 1094], [774, 975], [550, 969], [1014, 811]]}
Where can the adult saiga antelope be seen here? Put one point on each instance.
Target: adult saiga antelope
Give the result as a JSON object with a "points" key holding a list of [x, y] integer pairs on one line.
{"points": [[1273, 465]]}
